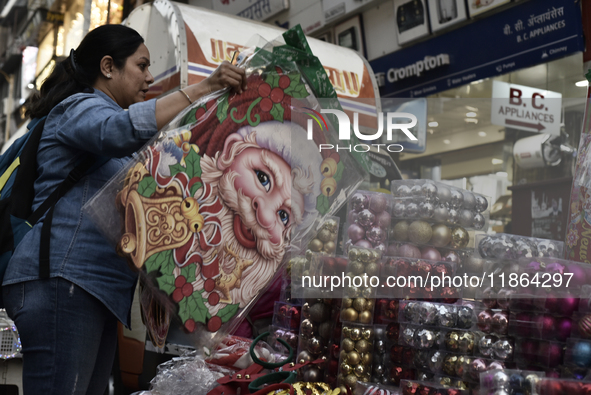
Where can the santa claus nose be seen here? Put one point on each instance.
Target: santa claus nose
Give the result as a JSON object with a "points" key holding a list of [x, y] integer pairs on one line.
{"points": [[264, 212]]}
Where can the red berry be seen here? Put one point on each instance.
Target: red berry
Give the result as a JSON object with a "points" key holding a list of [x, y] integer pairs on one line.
{"points": [[200, 112], [266, 104], [209, 285], [187, 289], [177, 295], [210, 104], [284, 82], [213, 298], [180, 281], [214, 324], [190, 325], [264, 90], [277, 95]]}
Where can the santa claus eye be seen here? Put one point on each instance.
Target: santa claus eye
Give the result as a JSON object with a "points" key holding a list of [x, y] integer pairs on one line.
{"points": [[284, 216], [264, 179]]}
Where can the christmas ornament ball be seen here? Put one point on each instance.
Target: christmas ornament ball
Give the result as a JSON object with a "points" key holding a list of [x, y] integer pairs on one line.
{"points": [[420, 232], [581, 354], [441, 235]]}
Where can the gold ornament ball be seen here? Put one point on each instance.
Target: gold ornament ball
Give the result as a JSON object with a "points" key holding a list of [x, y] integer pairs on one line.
{"points": [[372, 269], [365, 317], [360, 370], [316, 245], [366, 359], [348, 345], [463, 365], [354, 254], [353, 358], [400, 231], [347, 302], [349, 314], [324, 235], [441, 235], [419, 232], [370, 304], [355, 334], [353, 292], [365, 256], [367, 333], [459, 237], [365, 379], [360, 304], [346, 369], [367, 293], [375, 256], [331, 225], [330, 247], [309, 254], [362, 346], [343, 356], [346, 330], [356, 267], [342, 390], [350, 380], [466, 342], [445, 381]]}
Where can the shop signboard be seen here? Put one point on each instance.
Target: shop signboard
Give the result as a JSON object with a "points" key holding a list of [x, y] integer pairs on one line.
{"points": [[527, 34], [526, 108], [258, 10], [336, 9]]}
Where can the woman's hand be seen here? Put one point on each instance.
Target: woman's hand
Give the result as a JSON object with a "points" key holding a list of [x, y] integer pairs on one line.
{"points": [[227, 75]]}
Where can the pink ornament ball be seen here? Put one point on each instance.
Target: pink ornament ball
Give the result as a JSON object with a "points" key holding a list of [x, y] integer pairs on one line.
{"points": [[551, 303], [529, 349], [431, 254], [564, 327], [546, 324], [355, 232], [579, 277], [567, 305], [551, 354], [378, 203], [363, 244], [352, 216], [409, 251], [392, 250], [383, 220]]}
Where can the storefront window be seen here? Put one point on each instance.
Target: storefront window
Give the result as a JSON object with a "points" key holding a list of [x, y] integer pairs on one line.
{"points": [[105, 11]]}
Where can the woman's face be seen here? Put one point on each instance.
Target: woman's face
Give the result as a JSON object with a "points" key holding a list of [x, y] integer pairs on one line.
{"points": [[130, 84]]}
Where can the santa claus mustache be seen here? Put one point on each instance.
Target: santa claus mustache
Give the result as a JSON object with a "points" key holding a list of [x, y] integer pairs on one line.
{"points": [[242, 205]]}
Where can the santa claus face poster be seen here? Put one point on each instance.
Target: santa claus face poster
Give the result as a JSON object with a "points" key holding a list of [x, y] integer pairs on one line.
{"points": [[209, 209]]}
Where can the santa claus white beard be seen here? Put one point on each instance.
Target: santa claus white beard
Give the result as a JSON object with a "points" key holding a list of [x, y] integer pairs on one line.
{"points": [[266, 257]]}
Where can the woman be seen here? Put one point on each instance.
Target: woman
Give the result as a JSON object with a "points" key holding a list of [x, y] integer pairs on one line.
{"points": [[68, 323]]}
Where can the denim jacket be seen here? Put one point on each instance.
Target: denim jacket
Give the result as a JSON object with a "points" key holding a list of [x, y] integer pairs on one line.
{"points": [[83, 123]]}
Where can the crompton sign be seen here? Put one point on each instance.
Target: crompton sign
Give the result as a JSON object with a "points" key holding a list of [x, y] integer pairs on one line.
{"points": [[417, 68], [525, 108], [527, 34]]}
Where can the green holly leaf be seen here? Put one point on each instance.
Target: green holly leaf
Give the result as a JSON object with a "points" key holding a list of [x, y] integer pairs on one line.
{"points": [[195, 188], [277, 112], [295, 78], [176, 169], [147, 186], [193, 162], [228, 312], [273, 79], [322, 204], [188, 272], [189, 118], [166, 283], [193, 307], [222, 110], [339, 173], [297, 90], [156, 261]]}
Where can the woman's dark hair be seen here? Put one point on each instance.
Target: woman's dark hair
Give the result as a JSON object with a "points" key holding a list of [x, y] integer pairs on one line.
{"points": [[81, 69]]}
